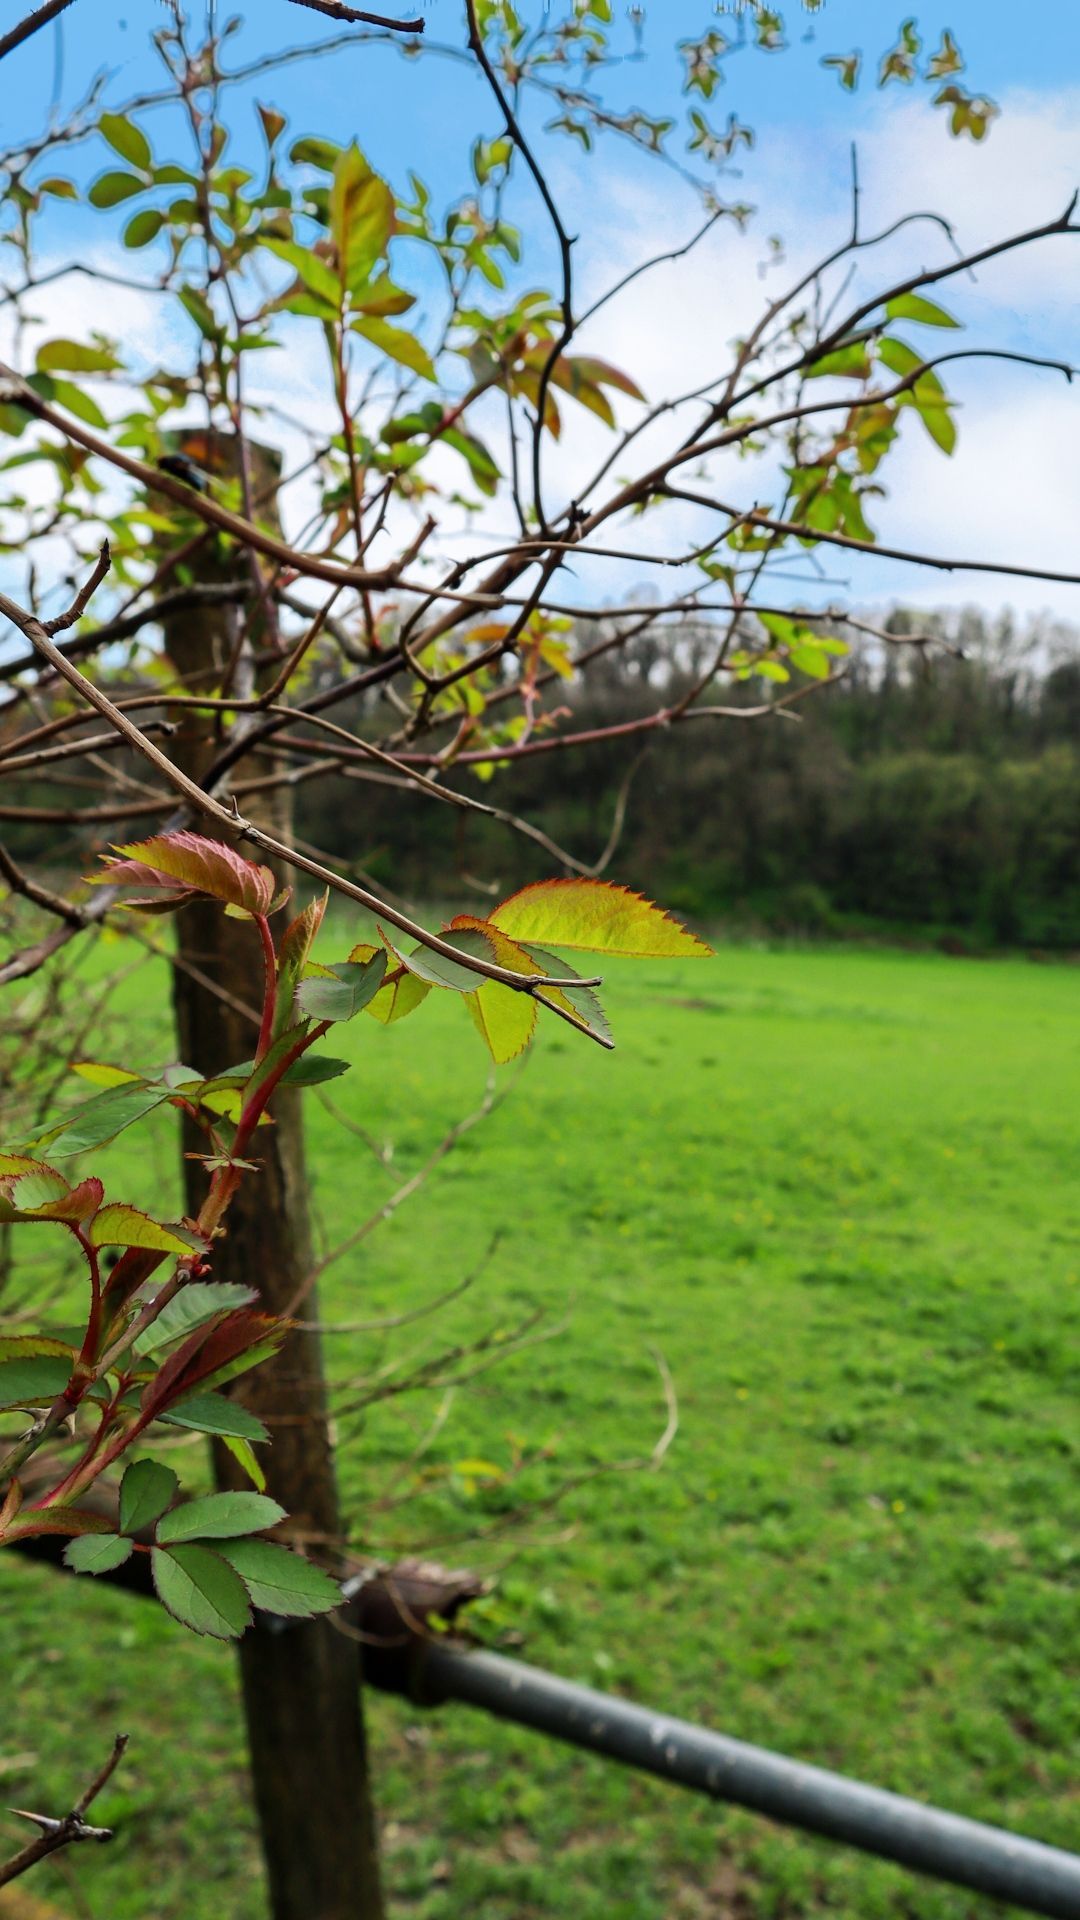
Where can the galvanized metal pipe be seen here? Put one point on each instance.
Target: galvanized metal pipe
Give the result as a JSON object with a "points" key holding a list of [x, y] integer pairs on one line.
{"points": [[1006, 1866]]}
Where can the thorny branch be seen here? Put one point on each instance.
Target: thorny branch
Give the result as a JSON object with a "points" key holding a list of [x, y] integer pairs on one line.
{"points": [[71, 1829]]}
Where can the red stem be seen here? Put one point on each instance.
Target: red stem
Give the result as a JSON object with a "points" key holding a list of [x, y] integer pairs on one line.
{"points": [[269, 984], [92, 1335]]}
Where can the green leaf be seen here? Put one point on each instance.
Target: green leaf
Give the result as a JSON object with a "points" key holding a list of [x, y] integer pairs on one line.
{"points": [[219, 1516], [109, 189], [72, 356], [354, 984], [246, 1459], [200, 310], [361, 215], [482, 466], [810, 659], [143, 227], [850, 362], [126, 139], [381, 296], [43, 1194], [597, 918], [34, 1381], [579, 999], [938, 422], [401, 997], [78, 402], [902, 359], [437, 971], [101, 1119], [279, 1581], [146, 1489], [97, 1552], [216, 1413], [118, 1225], [311, 151], [101, 1074], [397, 344], [312, 1069], [913, 306], [311, 269], [189, 1309], [504, 1018], [18, 1346], [201, 1590]]}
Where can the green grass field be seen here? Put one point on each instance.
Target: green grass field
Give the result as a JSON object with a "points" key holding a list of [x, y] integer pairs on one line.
{"points": [[836, 1191]]}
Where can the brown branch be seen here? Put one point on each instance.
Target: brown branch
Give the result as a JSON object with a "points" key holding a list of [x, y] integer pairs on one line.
{"points": [[15, 391], [753, 516], [32, 24], [126, 625], [336, 10], [565, 246], [71, 1828], [20, 883], [230, 818]]}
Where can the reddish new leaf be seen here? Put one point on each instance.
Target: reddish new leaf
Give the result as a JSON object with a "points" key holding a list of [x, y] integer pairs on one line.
{"points": [[186, 865], [211, 1354]]}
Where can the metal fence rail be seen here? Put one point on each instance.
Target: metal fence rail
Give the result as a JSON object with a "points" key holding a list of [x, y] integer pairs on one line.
{"points": [[1023, 1872], [389, 1607]]}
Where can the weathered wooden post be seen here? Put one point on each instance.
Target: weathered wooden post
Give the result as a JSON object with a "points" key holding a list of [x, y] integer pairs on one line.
{"points": [[302, 1689]]}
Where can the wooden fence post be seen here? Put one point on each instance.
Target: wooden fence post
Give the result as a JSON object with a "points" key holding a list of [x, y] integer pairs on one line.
{"points": [[301, 1690]]}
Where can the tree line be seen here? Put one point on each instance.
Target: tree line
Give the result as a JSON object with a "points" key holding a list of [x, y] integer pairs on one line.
{"points": [[929, 792]]}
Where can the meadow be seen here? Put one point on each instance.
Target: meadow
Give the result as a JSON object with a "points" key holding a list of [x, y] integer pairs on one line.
{"points": [[833, 1193]]}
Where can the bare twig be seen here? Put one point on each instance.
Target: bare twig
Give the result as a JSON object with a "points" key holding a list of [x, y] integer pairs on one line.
{"points": [[336, 10], [71, 1828], [32, 24]]}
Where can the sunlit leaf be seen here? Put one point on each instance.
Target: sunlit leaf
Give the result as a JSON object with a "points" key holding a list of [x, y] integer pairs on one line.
{"points": [[109, 189], [246, 1458], [398, 997], [915, 306], [351, 987], [73, 356], [118, 1225], [595, 917], [504, 1018], [100, 1074], [403, 347], [126, 139]]}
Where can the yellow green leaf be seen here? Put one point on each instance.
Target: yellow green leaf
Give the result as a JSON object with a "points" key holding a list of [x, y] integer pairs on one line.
{"points": [[596, 918], [100, 1074], [119, 1225], [400, 997]]}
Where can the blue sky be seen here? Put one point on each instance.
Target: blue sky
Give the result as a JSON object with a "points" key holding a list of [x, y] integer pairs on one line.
{"points": [[1013, 486]]}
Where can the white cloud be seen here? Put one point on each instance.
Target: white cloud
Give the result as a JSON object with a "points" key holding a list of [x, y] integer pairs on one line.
{"points": [[1012, 489]]}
